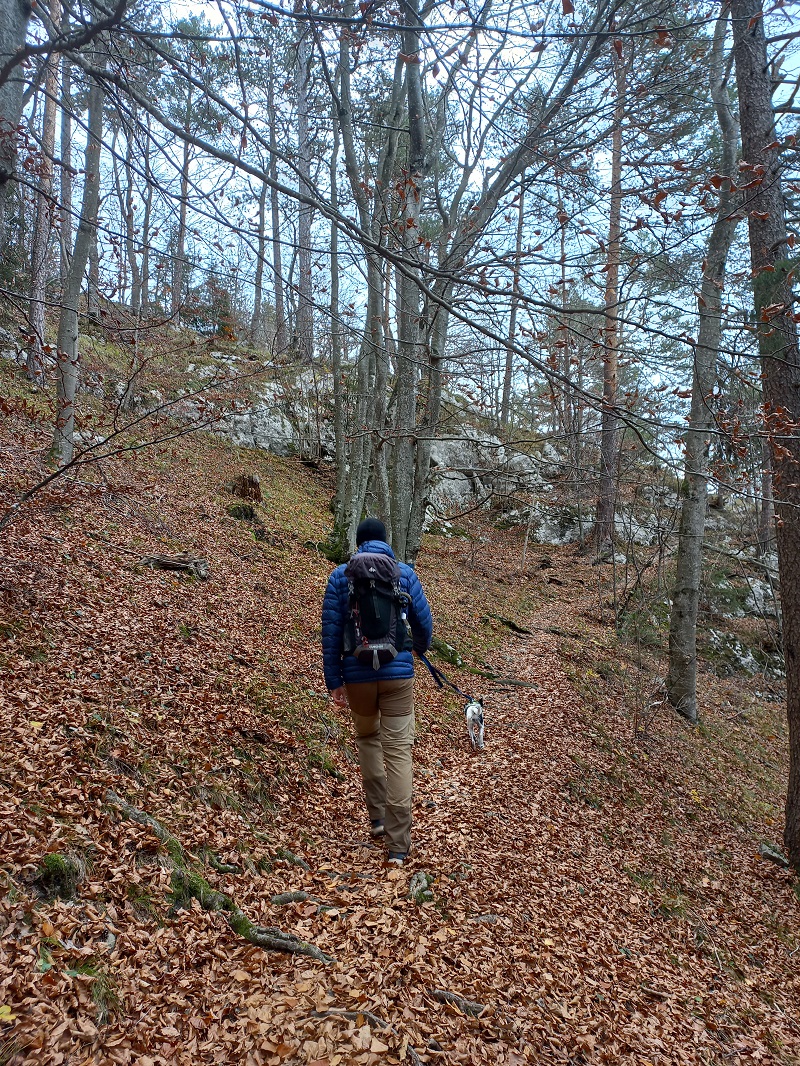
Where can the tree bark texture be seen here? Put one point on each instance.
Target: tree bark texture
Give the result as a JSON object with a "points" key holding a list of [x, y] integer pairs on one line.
{"points": [[281, 333], [778, 345], [45, 208], [766, 510], [14, 16], [304, 322], [609, 436], [339, 397], [68, 356], [682, 675], [258, 286], [409, 354], [179, 262], [508, 371], [66, 167], [129, 215]]}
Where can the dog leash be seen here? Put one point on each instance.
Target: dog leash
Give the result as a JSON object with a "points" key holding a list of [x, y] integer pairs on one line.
{"points": [[440, 678]]}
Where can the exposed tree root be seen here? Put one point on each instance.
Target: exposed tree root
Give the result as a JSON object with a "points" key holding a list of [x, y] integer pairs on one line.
{"points": [[374, 1021], [171, 843], [291, 897], [187, 886], [468, 1006], [515, 627]]}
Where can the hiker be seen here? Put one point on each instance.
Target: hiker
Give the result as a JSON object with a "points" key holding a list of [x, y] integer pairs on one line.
{"points": [[374, 615]]}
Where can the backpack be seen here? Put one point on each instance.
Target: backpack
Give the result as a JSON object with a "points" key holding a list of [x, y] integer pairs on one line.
{"points": [[377, 629]]}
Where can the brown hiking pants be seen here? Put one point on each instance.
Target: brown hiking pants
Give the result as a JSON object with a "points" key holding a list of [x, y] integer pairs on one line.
{"points": [[383, 715]]}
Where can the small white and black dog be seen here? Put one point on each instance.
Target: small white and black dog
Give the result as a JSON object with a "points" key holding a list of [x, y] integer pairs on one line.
{"points": [[473, 712]]}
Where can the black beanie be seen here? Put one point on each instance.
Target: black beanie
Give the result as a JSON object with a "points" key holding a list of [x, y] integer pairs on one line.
{"points": [[370, 529]]}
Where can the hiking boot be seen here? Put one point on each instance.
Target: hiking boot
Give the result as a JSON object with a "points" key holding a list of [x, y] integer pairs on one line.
{"points": [[397, 858], [377, 828]]}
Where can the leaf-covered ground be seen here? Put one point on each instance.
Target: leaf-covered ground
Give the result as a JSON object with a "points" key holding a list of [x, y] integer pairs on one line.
{"points": [[594, 874]]}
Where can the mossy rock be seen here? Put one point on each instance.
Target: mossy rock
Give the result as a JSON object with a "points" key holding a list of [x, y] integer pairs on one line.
{"points": [[244, 512], [420, 888], [335, 547], [58, 876], [446, 652], [730, 655]]}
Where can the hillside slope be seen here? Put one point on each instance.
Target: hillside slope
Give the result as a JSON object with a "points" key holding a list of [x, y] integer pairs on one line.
{"points": [[595, 887]]}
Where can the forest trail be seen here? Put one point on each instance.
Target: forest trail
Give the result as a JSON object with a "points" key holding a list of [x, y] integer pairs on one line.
{"points": [[595, 881], [568, 898]]}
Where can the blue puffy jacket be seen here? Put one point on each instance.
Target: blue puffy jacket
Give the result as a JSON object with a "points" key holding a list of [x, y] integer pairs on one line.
{"points": [[347, 670]]}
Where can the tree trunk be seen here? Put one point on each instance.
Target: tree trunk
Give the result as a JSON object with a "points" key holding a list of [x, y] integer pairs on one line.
{"points": [[766, 511], [44, 214], [369, 437], [427, 431], [609, 444], [682, 676], [14, 15], [93, 287], [258, 286], [127, 206], [304, 320], [505, 407], [409, 355], [281, 332], [339, 420], [66, 168], [144, 298], [179, 263], [777, 338], [68, 356]]}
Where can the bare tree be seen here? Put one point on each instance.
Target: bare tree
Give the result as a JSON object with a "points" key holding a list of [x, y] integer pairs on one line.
{"points": [[778, 345], [682, 676], [44, 214], [609, 437], [14, 16], [68, 356], [304, 319]]}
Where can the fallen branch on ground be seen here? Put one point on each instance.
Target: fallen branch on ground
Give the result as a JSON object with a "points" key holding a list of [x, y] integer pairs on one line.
{"points": [[514, 682], [468, 1006], [187, 886], [291, 897], [184, 561], [374, 1021]]}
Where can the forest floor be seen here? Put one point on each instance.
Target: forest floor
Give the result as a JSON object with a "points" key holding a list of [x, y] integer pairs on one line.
{"points": [[595, 881]]}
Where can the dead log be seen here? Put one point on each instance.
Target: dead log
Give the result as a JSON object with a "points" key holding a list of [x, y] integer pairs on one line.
{"points": [[184, 562]]}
